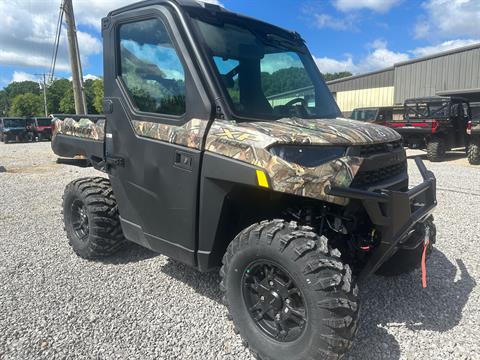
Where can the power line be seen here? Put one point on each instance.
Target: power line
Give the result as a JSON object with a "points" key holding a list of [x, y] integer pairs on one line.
{"points": [[56, 41]]}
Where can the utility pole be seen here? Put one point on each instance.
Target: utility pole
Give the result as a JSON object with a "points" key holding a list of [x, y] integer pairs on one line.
{"points": [[44, 92], [77, 76]]}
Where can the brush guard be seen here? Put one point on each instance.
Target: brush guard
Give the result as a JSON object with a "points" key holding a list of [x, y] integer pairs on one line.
{"points": [[394, 214]]}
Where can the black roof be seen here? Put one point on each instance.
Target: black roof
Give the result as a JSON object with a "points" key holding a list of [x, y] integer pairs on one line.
{"points": [[202, 7]]}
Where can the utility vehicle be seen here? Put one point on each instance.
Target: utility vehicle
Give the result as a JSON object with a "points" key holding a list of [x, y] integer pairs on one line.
{"points": [[376, 115], [39, 128], [435, 123], [473, 132], [13, 128], [292, 203]]}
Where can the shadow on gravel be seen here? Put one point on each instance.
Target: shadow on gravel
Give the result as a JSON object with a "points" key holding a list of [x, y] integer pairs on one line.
{"points": [[205, 284], [74, 162], [130, 253], [401, 302]]}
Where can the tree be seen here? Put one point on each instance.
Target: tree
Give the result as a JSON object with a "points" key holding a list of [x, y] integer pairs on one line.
{"points": [[99, 94], [67, 103], [94, 95], [55, 92], [23, 87], [337, 75], [27, 105]]}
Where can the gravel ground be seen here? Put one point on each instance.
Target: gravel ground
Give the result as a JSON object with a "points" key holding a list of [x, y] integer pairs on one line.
{"points": [[140, 305]]}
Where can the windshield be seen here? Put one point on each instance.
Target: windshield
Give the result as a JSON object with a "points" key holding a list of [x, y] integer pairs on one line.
{"points": [[426, 110], [12, 123], [44, 122], [364, 114], [265, 75]]}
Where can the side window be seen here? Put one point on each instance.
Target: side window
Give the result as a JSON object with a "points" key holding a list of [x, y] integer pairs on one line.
{"points": [[151, 69]]}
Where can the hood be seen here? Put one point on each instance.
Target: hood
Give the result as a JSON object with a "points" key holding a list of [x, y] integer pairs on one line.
{"points": [[305, 131], [341, 131], [261, 135], [249, 142]]}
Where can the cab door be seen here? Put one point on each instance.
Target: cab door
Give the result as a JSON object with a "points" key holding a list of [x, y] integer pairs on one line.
{"points": [[157, 111]]}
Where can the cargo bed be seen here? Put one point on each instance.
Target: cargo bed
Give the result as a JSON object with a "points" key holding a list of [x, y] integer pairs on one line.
{"points": [[79, 136]]}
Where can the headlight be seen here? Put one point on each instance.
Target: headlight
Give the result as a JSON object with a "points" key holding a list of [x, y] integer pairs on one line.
{"points": [[307, 155]]}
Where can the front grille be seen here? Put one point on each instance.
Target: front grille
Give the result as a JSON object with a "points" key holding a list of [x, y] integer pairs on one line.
{"points": [[365, 179], [366, 151]]}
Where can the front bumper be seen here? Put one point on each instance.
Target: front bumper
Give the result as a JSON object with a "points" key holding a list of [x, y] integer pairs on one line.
{"points": [[394, 213]]}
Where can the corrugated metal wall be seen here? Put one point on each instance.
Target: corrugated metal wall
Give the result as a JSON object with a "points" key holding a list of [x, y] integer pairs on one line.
{"points": [[426, 77], [376, 79], [349, 100]]}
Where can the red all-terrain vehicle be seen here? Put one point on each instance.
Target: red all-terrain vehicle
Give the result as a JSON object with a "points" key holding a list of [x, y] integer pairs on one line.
{"points": [[39, 128]]}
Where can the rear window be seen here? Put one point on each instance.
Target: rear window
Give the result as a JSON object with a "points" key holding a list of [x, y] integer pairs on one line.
{"points": [[10, 123], [364, 114], [426, 110], [44, 122]]}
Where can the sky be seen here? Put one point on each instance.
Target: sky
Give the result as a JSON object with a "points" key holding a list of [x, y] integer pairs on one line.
{"points": [[343, 35]]}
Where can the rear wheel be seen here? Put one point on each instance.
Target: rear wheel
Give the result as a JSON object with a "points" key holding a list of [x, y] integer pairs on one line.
{"points": [[289, 294], [474, 153], [436, 148], [91, 218], [405, 261]]}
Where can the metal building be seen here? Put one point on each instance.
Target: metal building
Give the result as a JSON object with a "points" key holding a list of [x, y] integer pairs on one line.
{"points": [[454, 72]]}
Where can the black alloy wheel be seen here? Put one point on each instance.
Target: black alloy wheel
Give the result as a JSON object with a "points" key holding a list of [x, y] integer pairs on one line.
{"points": [[80, 220], [274, 301]]}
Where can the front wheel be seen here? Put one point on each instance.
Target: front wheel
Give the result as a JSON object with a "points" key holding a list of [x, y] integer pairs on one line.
{"points": [[473, 153], [289, 294], [91, 218]]}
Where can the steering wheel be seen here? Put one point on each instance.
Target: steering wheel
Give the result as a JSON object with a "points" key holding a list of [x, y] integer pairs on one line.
{"points": [[300, 100]]}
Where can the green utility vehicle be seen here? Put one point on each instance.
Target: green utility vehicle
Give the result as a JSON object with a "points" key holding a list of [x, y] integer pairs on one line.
{"points": [[13, 129], [293, 204]]}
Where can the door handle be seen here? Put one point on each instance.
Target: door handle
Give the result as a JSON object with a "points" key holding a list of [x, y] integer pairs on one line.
{"points": [[183, 160]]}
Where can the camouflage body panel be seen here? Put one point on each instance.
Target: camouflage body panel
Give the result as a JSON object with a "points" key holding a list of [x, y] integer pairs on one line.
{"points": [[84, 128], [249, 142], [190, 134]]}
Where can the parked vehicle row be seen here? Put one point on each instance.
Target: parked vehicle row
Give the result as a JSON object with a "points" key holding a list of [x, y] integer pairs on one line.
{"points": [[20, 129], [436, 124]]}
